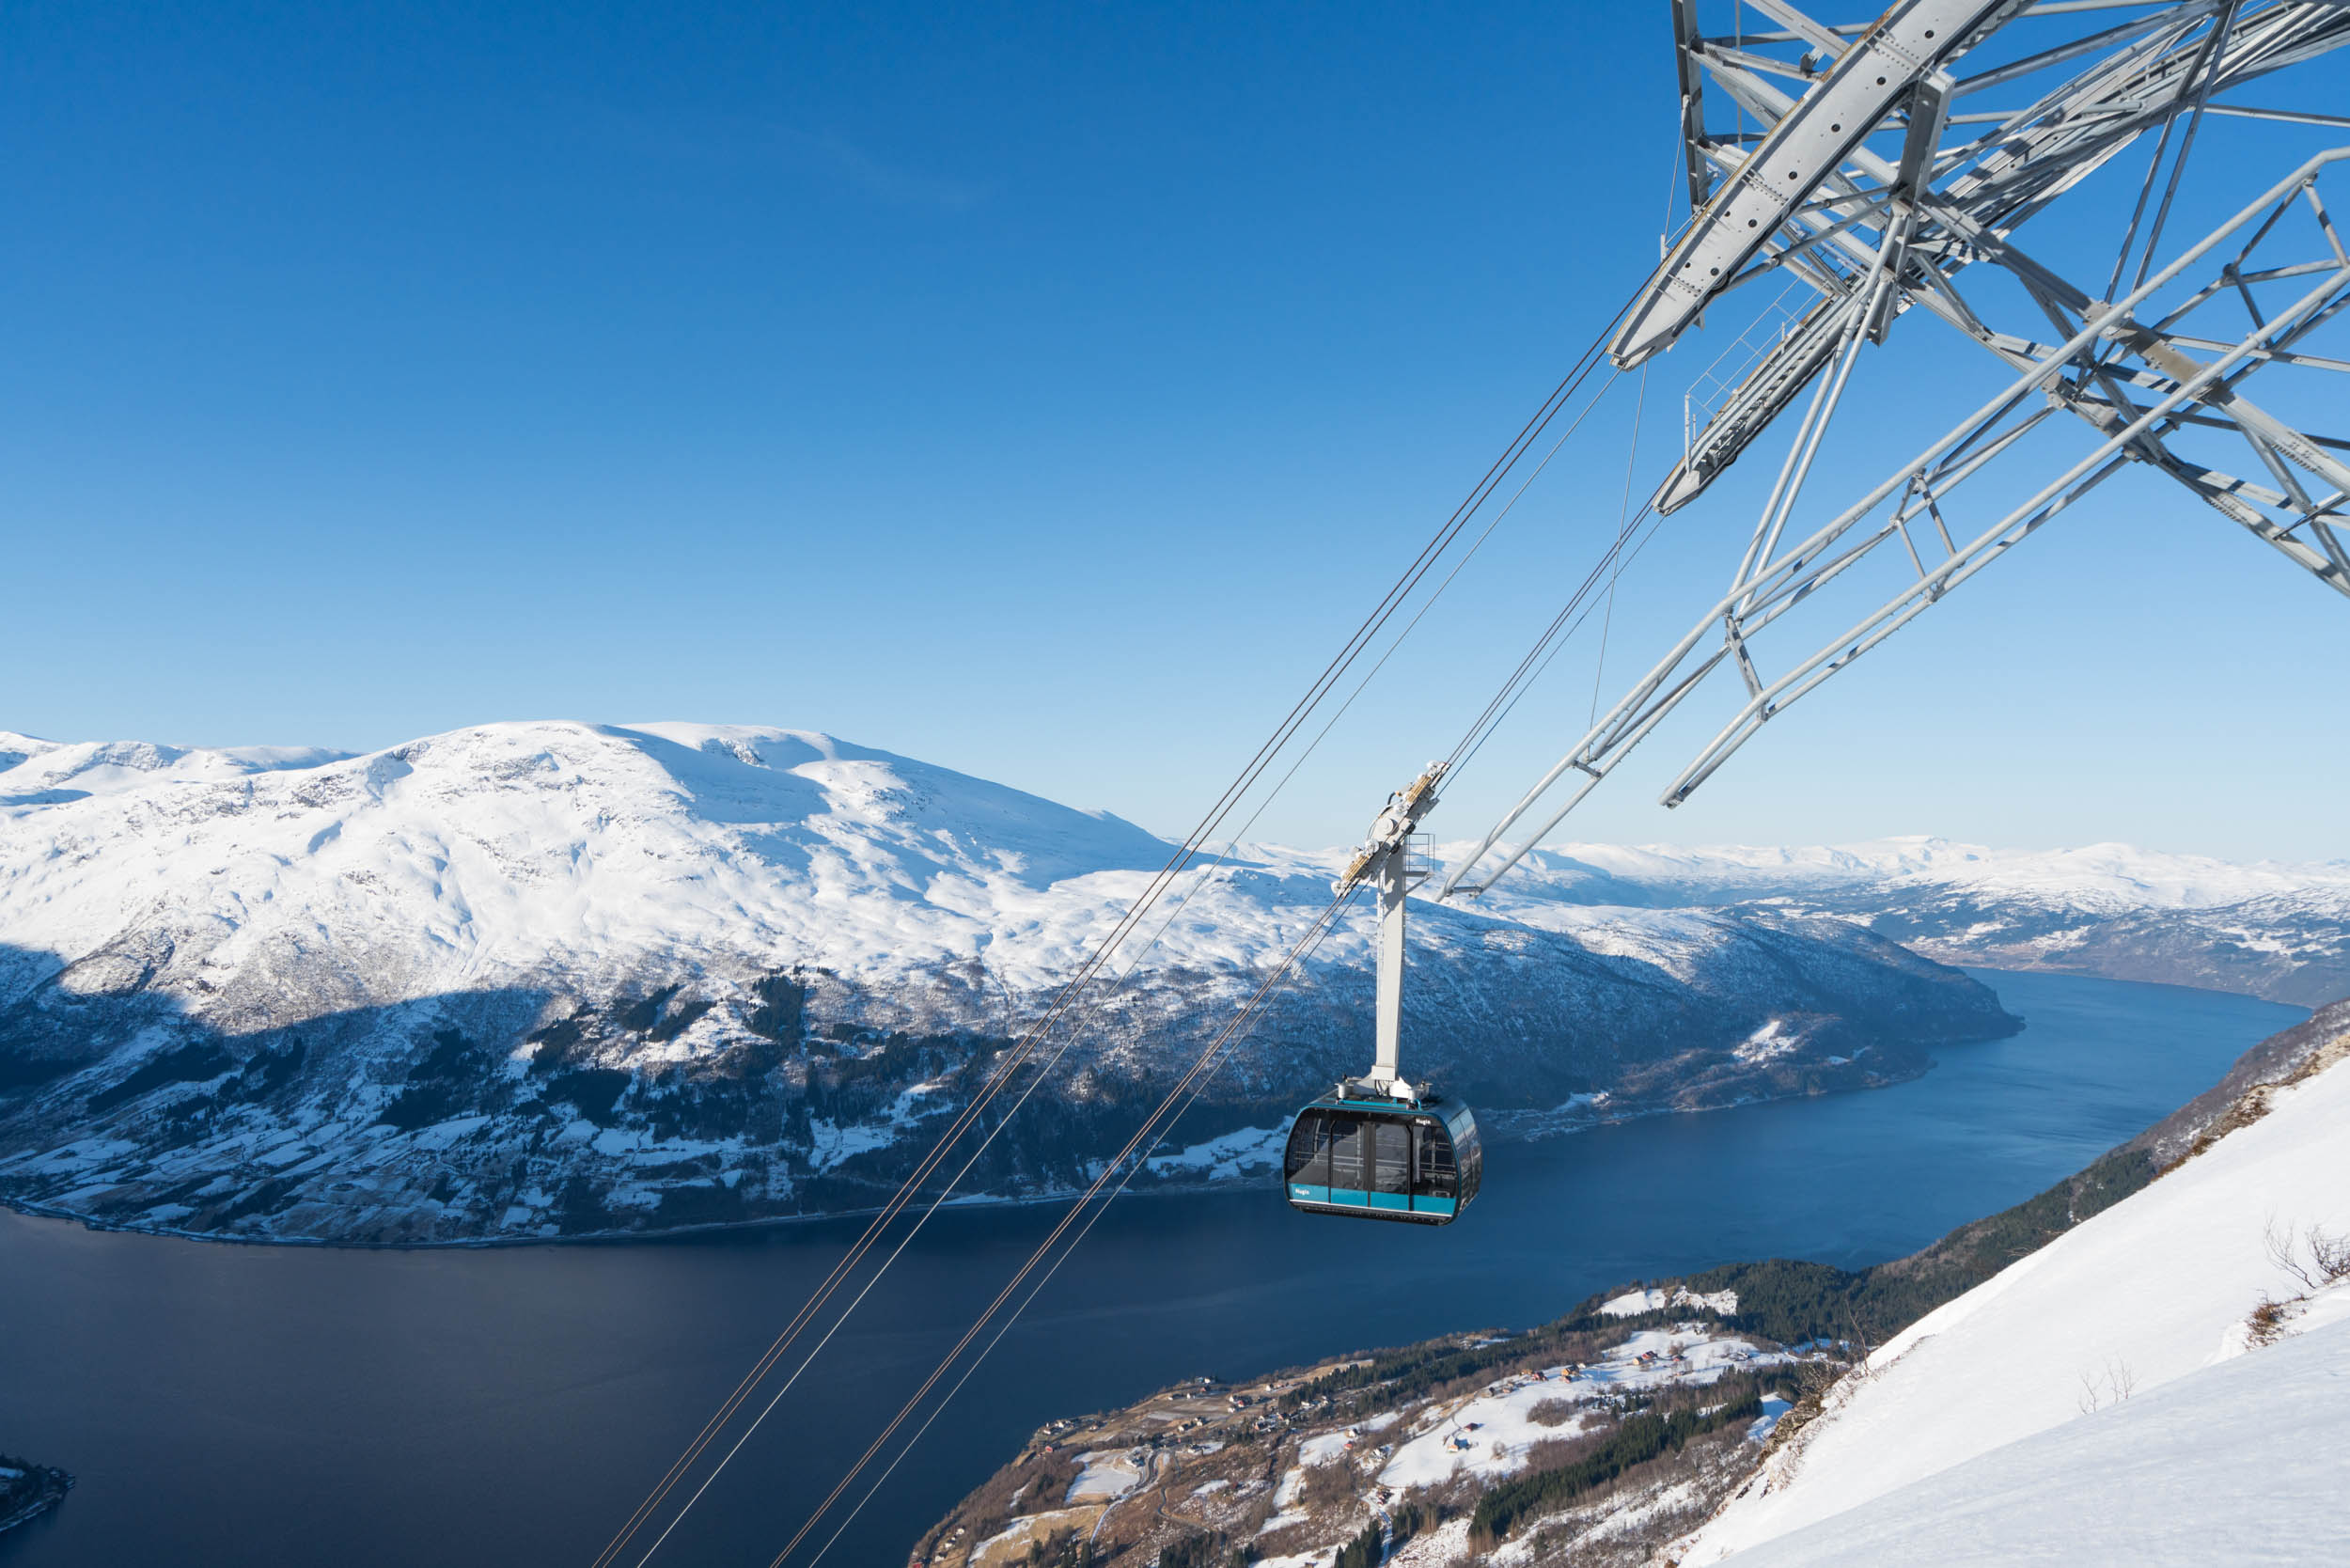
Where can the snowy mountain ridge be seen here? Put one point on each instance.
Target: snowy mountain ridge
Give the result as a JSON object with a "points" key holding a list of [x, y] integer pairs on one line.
{"points": [[876, 806], [2105, 876], [2271, 929], [530, 978], [510, 843]]}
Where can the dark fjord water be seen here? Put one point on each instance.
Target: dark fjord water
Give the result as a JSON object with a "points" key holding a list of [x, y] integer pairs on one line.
{"points": [[249, 1406]]}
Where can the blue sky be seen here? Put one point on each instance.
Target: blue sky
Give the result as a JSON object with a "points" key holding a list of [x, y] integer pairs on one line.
{"points": [[1043, 391]]}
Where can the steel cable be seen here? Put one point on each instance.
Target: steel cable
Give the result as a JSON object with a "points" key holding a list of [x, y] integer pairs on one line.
{"points": [[1562, 626], [1144, 1137], [1187, 1090], [952, 1183], [1246, 1020], [1065, 1000]]}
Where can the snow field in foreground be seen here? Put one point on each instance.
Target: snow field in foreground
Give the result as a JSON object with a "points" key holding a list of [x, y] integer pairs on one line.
{"points": [[2135, 1298], [2245, 1462]]}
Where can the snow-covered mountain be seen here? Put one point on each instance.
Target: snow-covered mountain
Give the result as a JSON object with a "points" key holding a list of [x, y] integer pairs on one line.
{"points": [[2273, 929], [2089, 1402], [531, 979]]}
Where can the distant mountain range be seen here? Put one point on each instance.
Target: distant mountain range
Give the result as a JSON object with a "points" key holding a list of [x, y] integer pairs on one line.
{"points": [[2272, 929], [530, 980]]}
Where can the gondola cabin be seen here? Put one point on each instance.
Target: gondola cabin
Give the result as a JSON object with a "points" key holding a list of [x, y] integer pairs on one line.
{"points": [[1419, 1162]]}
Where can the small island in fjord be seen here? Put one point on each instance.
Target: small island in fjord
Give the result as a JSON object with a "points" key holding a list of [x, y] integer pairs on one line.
{"points": [[28, 1490]]}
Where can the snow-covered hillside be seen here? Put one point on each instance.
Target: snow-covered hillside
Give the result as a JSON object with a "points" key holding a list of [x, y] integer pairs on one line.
{"points": [[2238, 1463], [528, 979], [503, 848], [2270, 929], [2242, 1245]]}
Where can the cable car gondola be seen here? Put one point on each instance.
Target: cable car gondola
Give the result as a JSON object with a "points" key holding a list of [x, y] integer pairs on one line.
{"points": [[1376, 1146], [1358, 1153]]}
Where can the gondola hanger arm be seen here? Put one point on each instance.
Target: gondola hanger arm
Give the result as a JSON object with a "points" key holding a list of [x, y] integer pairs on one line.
{"points": [[1392, 831]]}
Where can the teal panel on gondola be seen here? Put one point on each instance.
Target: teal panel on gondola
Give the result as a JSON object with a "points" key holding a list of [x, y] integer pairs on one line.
{"points": [[1369, 1160]]}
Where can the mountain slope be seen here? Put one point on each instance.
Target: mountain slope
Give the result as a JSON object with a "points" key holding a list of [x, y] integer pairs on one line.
{"points": [[2270, 930], [540, 978], [2163, 1284], [2236, 1462]]}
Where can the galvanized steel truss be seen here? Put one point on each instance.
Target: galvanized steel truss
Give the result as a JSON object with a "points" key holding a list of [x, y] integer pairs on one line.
{"points": [[2158, 374], [1958, 203]]}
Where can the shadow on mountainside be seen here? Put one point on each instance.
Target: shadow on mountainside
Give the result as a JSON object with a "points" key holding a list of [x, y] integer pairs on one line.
{"points": [[677, 1098]]}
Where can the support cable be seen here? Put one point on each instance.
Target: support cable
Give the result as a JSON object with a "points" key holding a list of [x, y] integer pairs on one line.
{"points": [[1554, 636], [1563, 394], [1564, 625], [1622, 562], [1624, 526], [970, 1114], [1035, 1081], [1550, 644], [1064, 1007], [1430, 604], [1246, 1020], [1144, 1137]]}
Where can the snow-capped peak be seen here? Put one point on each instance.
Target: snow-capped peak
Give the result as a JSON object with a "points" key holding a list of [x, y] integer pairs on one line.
{"points": [[507, 843]]}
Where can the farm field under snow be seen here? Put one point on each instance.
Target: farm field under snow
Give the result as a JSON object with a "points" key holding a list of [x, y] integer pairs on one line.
{"points": [[1493, 1434]]}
